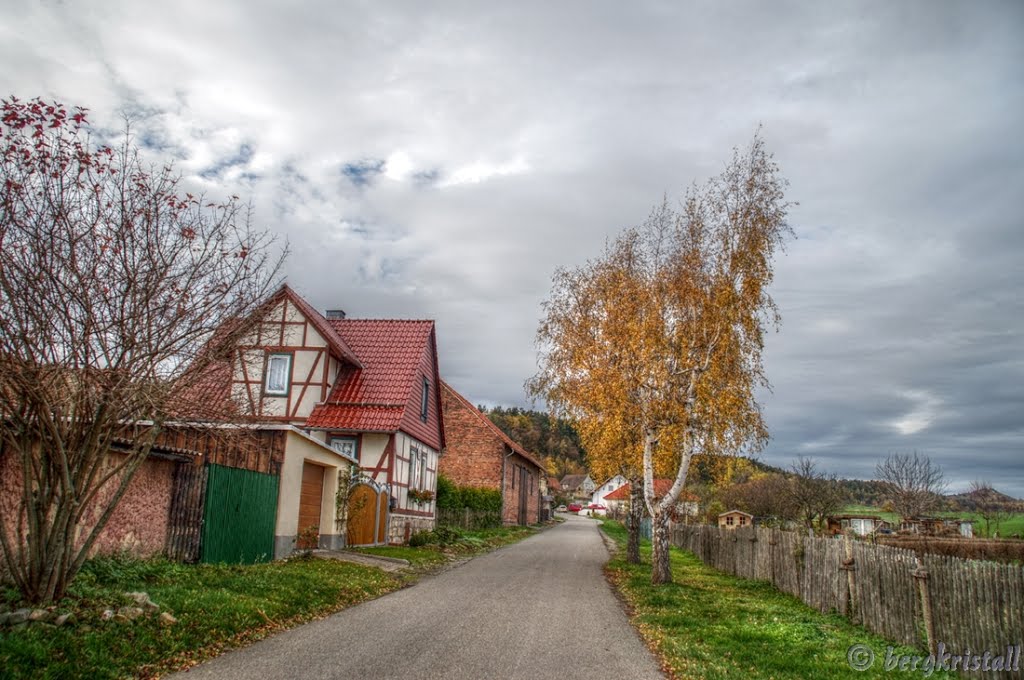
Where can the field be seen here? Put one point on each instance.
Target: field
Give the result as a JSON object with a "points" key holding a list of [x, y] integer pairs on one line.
{"points": [[1007, 528]]}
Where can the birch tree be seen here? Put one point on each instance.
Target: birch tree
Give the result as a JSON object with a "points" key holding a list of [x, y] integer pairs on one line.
{"points": [[663, 334], [113, 282]]}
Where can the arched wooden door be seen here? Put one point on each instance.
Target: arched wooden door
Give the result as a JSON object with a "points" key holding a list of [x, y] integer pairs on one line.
{"points": [[367, 515]]}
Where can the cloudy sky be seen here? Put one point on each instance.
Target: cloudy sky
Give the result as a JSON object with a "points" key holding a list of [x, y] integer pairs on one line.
{"points": [[442, 162]]}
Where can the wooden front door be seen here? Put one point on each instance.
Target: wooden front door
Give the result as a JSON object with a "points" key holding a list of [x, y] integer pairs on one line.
{"points": [[310, 500], [362, 515], [524, 479]]}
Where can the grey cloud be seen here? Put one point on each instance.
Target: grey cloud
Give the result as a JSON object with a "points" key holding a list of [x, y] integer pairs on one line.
{"points": [[897, 124]]}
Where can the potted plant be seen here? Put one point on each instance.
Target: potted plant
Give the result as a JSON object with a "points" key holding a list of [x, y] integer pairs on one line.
{"points": [[421, 495]]}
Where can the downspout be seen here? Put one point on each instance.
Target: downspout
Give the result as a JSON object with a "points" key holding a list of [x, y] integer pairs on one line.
{"points": [[503, 467]]}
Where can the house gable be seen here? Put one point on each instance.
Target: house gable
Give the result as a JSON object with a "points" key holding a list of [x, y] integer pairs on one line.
{"points": [[287, 363]]}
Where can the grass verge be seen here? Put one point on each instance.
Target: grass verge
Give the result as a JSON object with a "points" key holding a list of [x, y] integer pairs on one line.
{"points": [[217, 607], [710, 625], [467, 544]]}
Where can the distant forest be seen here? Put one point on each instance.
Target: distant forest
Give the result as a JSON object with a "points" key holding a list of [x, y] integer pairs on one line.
{"points": [[554, 440], [558, 445]]}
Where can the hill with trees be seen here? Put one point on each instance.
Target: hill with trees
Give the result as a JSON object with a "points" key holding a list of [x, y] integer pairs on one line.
{"points": [[555, 440]]}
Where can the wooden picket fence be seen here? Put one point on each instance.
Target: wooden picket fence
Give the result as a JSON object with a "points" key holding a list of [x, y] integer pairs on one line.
{"points": [[965, 604]]}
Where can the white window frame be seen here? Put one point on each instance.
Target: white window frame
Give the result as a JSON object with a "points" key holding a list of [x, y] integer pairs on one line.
{"points": [[283, 391], [414, 469], [341, 442]]}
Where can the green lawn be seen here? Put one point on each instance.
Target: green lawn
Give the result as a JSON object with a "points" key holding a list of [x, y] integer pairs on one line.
{"points": [[217, 607], [709, 625], [1007, 528], [469, 543]]}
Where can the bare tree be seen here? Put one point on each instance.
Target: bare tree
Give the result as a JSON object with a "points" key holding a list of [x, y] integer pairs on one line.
{"points": [[112, 284], [991, 505], [766, 496], [913, 483], [814, 494]]}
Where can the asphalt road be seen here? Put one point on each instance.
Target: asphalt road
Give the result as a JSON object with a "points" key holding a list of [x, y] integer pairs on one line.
{"points": [[538, 609]]}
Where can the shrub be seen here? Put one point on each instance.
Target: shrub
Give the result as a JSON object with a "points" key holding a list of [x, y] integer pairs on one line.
{"points": [[453, 497], [446, 535], [419, 539]]}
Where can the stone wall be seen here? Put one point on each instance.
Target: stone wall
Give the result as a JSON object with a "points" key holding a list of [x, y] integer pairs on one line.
{"points": [[401, 527]]}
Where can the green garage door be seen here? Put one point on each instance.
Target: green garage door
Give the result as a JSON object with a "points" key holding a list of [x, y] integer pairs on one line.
{"points": [[238, 521]]}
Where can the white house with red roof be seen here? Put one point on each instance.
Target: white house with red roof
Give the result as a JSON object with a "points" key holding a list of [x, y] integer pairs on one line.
{"points": [[366, 393], [686, 506]]}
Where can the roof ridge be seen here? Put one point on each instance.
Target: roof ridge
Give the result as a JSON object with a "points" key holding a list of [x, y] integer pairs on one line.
{"points": [[490, 423]]}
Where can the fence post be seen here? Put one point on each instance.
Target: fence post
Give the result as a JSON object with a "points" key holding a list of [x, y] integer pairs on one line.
{"points": [[920, 574], [465, 521], [851, 583]]}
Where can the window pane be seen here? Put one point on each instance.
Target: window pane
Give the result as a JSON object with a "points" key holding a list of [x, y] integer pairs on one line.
{"points": [[344, 446], [277, 374]]}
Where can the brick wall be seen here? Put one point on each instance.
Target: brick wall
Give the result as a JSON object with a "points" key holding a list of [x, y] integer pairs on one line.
{"points": [[476, 456], [514, 466], [473, 455], [138, 524]]}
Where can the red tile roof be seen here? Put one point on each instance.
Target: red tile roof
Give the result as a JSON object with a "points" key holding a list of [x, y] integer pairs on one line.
{"points": [[491, 426], [365, 418], [374, 398], [661, 487]]}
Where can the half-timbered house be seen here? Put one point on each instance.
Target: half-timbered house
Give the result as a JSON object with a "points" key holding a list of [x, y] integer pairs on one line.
{"points": [[366, 392]]}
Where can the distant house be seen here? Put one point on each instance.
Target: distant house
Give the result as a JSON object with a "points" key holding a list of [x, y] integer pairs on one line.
{"points": [[598, 497], [938, 526], [479, 454], [578, 486], [686, 506], [861, 525], [734, 519]]}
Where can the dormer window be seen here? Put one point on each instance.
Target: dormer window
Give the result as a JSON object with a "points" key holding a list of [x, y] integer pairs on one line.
{"points": [[424, 400], [279, 374]]}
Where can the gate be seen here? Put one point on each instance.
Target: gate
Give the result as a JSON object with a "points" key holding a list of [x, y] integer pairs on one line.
{"points": [[185, 519], [367, 518], [238, 521]]}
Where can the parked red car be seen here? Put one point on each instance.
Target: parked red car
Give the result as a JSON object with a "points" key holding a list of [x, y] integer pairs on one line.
{"points": [[575, 507]]}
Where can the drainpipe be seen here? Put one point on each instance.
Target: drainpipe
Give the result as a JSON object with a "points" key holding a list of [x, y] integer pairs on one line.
{"points": [[504, 460]]}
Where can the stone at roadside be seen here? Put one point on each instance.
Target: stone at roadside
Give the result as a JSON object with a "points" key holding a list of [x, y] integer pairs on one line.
{"points": [[167, 619], [62, 619], [107, 615], [18, 616], [130, 613], [142, 600], [39, 615]]}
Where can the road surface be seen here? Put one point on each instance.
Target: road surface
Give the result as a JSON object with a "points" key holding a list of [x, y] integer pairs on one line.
{"points": [[540, 608]]}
